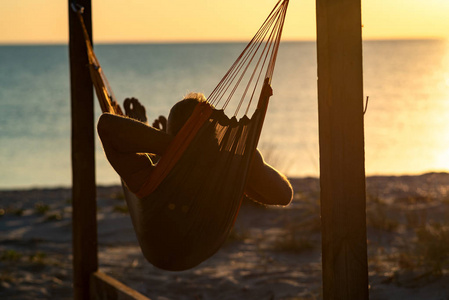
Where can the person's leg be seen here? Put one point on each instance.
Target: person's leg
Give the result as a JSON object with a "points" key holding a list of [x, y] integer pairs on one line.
{"points": [[266, 184], [126, 142]]}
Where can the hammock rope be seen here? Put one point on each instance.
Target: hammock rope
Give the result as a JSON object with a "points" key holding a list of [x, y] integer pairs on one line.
{"points": [[266, 48], [103, 90], [273, 25], [188, 204]]}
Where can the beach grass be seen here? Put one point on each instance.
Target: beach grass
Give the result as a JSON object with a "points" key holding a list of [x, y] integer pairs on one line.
{"points": [[377, 215], [432, 247], [122, 208], [10, 255], [41, 208]]}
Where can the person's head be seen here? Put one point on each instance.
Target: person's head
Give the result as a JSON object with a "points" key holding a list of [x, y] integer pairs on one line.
{"points": [[181, 111]]}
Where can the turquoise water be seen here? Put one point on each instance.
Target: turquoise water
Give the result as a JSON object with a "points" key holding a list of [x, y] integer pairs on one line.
{"points": [[406, 126]]}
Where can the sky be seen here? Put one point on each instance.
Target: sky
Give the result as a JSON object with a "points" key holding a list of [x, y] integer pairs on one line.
{"points": [[46, 21]]}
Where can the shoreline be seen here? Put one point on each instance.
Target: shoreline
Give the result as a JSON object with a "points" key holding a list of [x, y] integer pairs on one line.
{"points": [[292, 178]]}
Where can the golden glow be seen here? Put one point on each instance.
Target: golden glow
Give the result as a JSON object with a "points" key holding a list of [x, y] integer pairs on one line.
{"points": [[405, 19], [28, 21], [442, 160]]}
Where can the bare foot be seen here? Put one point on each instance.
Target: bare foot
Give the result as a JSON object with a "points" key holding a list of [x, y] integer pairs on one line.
{"points": [[135, 110], [160, 123]]}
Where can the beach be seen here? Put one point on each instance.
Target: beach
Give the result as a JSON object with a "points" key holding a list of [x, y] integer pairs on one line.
{"points": [[272, 252]]}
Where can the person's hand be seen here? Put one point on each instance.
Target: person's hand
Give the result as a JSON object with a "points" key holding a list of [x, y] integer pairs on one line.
{"points": [[135, 110], [160, 123], [265, 94], [267, 91]]}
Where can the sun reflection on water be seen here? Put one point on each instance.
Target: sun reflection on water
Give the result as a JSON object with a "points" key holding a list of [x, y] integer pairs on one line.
{"points": [[407, 125], [441, 114]]}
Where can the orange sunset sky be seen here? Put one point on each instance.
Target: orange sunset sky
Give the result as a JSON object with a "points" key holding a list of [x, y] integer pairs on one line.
{"points": [[27, 21]]}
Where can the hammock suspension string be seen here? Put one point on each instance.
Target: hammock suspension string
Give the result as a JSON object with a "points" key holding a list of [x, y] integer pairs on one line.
{"points": [[264, 44]]}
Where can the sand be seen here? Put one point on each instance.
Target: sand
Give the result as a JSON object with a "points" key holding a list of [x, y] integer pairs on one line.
{"points": [[273, 253]]}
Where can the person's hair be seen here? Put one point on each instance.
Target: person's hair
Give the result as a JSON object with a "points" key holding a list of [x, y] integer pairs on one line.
{"points": [[181, 111]]}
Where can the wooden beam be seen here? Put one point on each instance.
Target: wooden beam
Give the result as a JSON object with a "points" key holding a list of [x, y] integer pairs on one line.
{"points": [[104, 287], [85, 260], [342, 170]]}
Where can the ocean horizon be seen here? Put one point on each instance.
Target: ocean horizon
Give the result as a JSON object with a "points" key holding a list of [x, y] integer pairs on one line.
{"points": [[406, 124], [223, 41]]}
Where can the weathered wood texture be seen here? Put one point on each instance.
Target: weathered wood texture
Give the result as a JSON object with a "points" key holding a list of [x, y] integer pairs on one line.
{"points": [[85, 260], [104, 287], [342, 170]]}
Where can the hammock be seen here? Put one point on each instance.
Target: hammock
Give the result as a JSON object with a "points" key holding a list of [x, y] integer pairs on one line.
{"points": [[187, 207]]}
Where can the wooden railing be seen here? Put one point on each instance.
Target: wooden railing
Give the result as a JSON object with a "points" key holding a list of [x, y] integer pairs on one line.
{"points": [[104, 287]]}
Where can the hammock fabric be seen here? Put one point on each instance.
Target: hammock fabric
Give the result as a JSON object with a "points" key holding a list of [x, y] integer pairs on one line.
{"points": [[187, 207]]}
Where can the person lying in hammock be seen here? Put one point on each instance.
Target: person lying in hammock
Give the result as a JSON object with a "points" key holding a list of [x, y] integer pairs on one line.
{"points": [[129, 144]]}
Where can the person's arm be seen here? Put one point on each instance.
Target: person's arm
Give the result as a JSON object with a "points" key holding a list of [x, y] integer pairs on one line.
{"points": [[267, 185]]}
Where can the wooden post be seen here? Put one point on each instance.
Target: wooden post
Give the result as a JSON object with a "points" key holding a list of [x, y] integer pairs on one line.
{"points": [[342, 171], [85, 260]]}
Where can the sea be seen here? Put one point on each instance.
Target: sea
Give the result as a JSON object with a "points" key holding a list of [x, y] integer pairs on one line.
{"points": [[406, 122]]}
